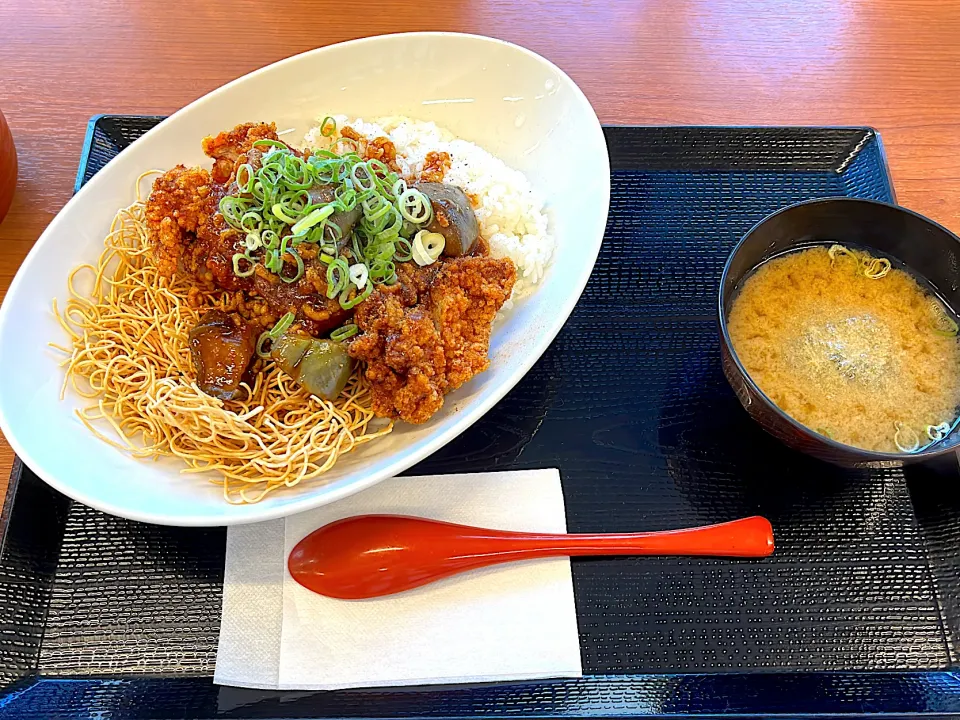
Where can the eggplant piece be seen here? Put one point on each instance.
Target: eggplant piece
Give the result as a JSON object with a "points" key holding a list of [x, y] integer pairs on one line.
{"points": [[321, 367], [453, 217], [221, 347], [326, 194]]}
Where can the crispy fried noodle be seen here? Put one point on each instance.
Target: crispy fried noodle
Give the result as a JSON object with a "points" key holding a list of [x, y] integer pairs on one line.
{"points": [[260, 319], [129, 354]]}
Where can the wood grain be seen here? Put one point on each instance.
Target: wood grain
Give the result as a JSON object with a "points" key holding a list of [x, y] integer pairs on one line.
{"points": [[892, 64]]}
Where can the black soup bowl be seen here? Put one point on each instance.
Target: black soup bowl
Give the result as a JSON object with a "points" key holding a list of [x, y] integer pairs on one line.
{"points": [[928, 249]]}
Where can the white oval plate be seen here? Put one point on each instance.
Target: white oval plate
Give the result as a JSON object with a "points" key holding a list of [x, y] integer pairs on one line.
{"points": [[504, 98]]}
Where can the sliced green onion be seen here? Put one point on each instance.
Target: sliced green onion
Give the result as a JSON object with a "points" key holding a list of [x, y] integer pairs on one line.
{"points": [[252, 242], [942, 324], [271, 143], [295, 201], [364, 195], [232, 208], [386, 185], [300, 238], [343, 333], [262, 341], [250, 221], [269, 175], [245, 186], [404, 250], [347, 197], [236, 265], [364, 181], [415, 206], [296, 172], [336, 144], [278, 210], [347, 304], [938, 432], [375, 206], [283, 324], [427, 247], [325, 172], [359, 274], [393, 230], [299, 261], [356, 245], [383, 271], [377, 168], [378, 171], [316, 216], [876, 268], [331, 234], [270, 239], [906, 439], [273, 210], [338, 277], [273, 262]]}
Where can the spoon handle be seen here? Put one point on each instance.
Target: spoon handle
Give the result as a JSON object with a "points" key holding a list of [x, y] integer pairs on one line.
{"points": [[748, 537]]}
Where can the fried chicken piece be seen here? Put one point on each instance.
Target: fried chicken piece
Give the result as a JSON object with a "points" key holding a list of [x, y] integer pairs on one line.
{"points": [[405, 360], [227, 147], [429, 333], [416, 281], [181, 205], [187, 230], [183, 218], [210, 258], [466, 296]]}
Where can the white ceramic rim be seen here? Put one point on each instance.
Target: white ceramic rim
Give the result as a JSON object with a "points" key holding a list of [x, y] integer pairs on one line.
{"points": [[469, 416]]}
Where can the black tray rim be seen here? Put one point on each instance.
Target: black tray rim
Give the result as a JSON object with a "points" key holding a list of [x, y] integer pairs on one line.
{"points": [[869, 131], [717, 695], [748, 694]]}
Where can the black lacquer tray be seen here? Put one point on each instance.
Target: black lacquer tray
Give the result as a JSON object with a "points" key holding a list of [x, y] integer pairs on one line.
{"points": [[857, 613]]}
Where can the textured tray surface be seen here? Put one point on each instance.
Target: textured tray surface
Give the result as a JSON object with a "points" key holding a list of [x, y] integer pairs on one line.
{"points": [[631, 404]]}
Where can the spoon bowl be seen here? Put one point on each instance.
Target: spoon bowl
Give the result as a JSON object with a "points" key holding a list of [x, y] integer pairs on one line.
{"points": [[374, 555]]}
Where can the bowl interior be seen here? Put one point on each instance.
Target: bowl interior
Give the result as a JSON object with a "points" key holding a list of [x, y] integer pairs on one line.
{"points": [[507, 99], [925, 247]]}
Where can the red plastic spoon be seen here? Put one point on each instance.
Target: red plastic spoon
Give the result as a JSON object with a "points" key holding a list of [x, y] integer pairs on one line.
{"points": [[372, 555]]}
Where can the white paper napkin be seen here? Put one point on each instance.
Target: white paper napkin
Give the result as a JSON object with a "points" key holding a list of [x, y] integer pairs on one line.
{"points": [[511, 622]]}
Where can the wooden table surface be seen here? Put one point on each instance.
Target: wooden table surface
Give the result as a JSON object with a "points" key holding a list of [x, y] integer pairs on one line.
{"points": [[892, 64]]}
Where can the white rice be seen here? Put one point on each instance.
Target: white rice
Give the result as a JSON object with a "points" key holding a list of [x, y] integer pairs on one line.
{"points": [[510, 211]]}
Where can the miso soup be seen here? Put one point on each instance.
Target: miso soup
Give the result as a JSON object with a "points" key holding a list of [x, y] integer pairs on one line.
{"points": [[851, 346]]}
